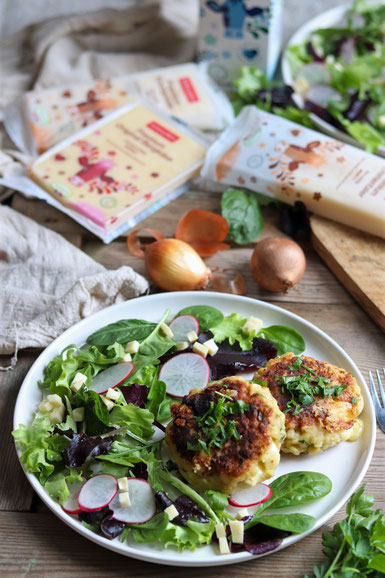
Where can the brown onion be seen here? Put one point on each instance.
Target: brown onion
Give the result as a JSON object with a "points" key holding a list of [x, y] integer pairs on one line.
{"points": [[277, 264], [175, 266]]}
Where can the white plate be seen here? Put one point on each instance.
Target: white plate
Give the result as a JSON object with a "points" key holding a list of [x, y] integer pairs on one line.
{"points": [[329, 19], [345, 464]]}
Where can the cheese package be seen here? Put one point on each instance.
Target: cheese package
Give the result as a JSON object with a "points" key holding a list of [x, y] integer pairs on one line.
{"points": [[281, 159], [120, 169], [51, 115]]}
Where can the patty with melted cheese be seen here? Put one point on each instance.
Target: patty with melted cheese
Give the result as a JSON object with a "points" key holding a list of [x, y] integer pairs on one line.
{"points": [[326, 421], [250, 456]]}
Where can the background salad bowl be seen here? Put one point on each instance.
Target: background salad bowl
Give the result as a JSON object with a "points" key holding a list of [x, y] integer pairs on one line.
{"points": [[345, 464], [333, 18]]}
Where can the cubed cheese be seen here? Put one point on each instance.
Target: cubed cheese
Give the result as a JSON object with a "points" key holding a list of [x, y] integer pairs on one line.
{"points": [[381, 121], [211, 346], [181, 345], [192, 336], [107, 402], [78, 381], [242, 513], [124, 499], [45, 406], [236, 527], [78, 414], [220, 530], [224, 546], [132, 347], [201, 349], [171, 512], [57, 414], [126, 358], [301, 85], [123, 484], [166, 330], [252, 324], [55, 400], [113, 394]]}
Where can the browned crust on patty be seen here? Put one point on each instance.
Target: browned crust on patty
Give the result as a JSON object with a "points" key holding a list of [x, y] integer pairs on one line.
{"points": [[232, 459], [322, 410]]}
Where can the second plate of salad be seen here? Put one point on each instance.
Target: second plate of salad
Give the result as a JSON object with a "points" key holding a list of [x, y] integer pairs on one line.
{"points": [[335, 64], [194, 428]]}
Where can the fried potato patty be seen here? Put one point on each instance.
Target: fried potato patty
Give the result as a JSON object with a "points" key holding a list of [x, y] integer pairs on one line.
{"points": [[326, 421], [247, 457]]}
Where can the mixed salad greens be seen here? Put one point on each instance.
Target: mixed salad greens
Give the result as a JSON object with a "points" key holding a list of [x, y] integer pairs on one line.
{"points": [[98, 431], [339, 73]]}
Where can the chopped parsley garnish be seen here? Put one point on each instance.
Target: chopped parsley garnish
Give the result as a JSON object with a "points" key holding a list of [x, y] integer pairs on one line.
{"points": [[215, 424], [354, 401], [259, 382], [304, 387]]}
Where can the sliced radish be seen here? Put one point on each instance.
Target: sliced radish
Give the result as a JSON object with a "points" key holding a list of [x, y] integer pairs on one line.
{"points": [[182, 325], [322, 94], [143, 505], [97, 492], [184, 372], [71, 505], [112, 377], [251, 496]]}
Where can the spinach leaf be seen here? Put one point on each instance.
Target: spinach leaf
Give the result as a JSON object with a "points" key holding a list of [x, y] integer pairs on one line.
{"points": [[164, 412], [297, 488], [242, 212], [154, 346], [155, 397], [206, 315], [296, 523], [284, 338], [122, 331]]}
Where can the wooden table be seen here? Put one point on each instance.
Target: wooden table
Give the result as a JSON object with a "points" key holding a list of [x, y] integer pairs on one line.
{"points": [[36, 543]]}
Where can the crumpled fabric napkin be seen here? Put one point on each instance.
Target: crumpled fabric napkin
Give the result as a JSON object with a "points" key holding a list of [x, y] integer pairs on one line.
{"points": [[47, 284]]}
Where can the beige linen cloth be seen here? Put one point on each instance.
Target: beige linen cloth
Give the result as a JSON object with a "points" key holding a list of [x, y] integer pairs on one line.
{"points": [[46, 284]]}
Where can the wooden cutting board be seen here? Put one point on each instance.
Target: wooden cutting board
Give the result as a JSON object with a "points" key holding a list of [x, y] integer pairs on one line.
{"points": [[357, 260]]}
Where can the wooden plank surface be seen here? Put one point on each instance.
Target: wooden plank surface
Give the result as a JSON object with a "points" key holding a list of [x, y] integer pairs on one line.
{"points": [[358, 261], [35, 543]]}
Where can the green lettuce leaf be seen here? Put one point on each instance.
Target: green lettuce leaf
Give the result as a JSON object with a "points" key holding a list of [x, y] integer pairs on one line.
{"points": [[41, 449], [139, 421], [231, 328], [57, 484]]}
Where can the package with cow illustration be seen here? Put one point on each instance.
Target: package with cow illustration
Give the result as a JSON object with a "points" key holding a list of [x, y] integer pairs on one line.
{"points": [[281, 159], [235, 33], [113, 174]]}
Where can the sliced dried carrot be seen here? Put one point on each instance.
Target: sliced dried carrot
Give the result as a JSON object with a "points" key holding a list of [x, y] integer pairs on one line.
{"points": [[135, 246], [203, 230]]}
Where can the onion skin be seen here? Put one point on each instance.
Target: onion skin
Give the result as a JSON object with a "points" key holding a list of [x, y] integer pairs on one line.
{"points": [[277, 264], [174, 265]]}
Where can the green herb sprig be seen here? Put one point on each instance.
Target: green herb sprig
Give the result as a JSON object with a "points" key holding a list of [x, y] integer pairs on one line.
{"points": [[304, 387], [356, 545], [215, 425]]}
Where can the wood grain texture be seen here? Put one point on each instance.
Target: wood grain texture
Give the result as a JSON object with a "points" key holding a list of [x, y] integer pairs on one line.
{"points": [[16, 494], [358, 261]]}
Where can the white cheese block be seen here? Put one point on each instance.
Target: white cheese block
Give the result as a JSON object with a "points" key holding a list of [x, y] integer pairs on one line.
{"points": [[107, 402], [171, 512], [78, 381], [166, 330], [237, 529], [201, 349], [123, 484], [252, 324], [132, 347], [113, 394], [220, 530], [224, 546], [211, 346], [192, 336], [124, 499]]}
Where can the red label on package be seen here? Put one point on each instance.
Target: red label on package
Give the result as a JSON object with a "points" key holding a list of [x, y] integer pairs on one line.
{"points": [[162, 131], [188, 89]]}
